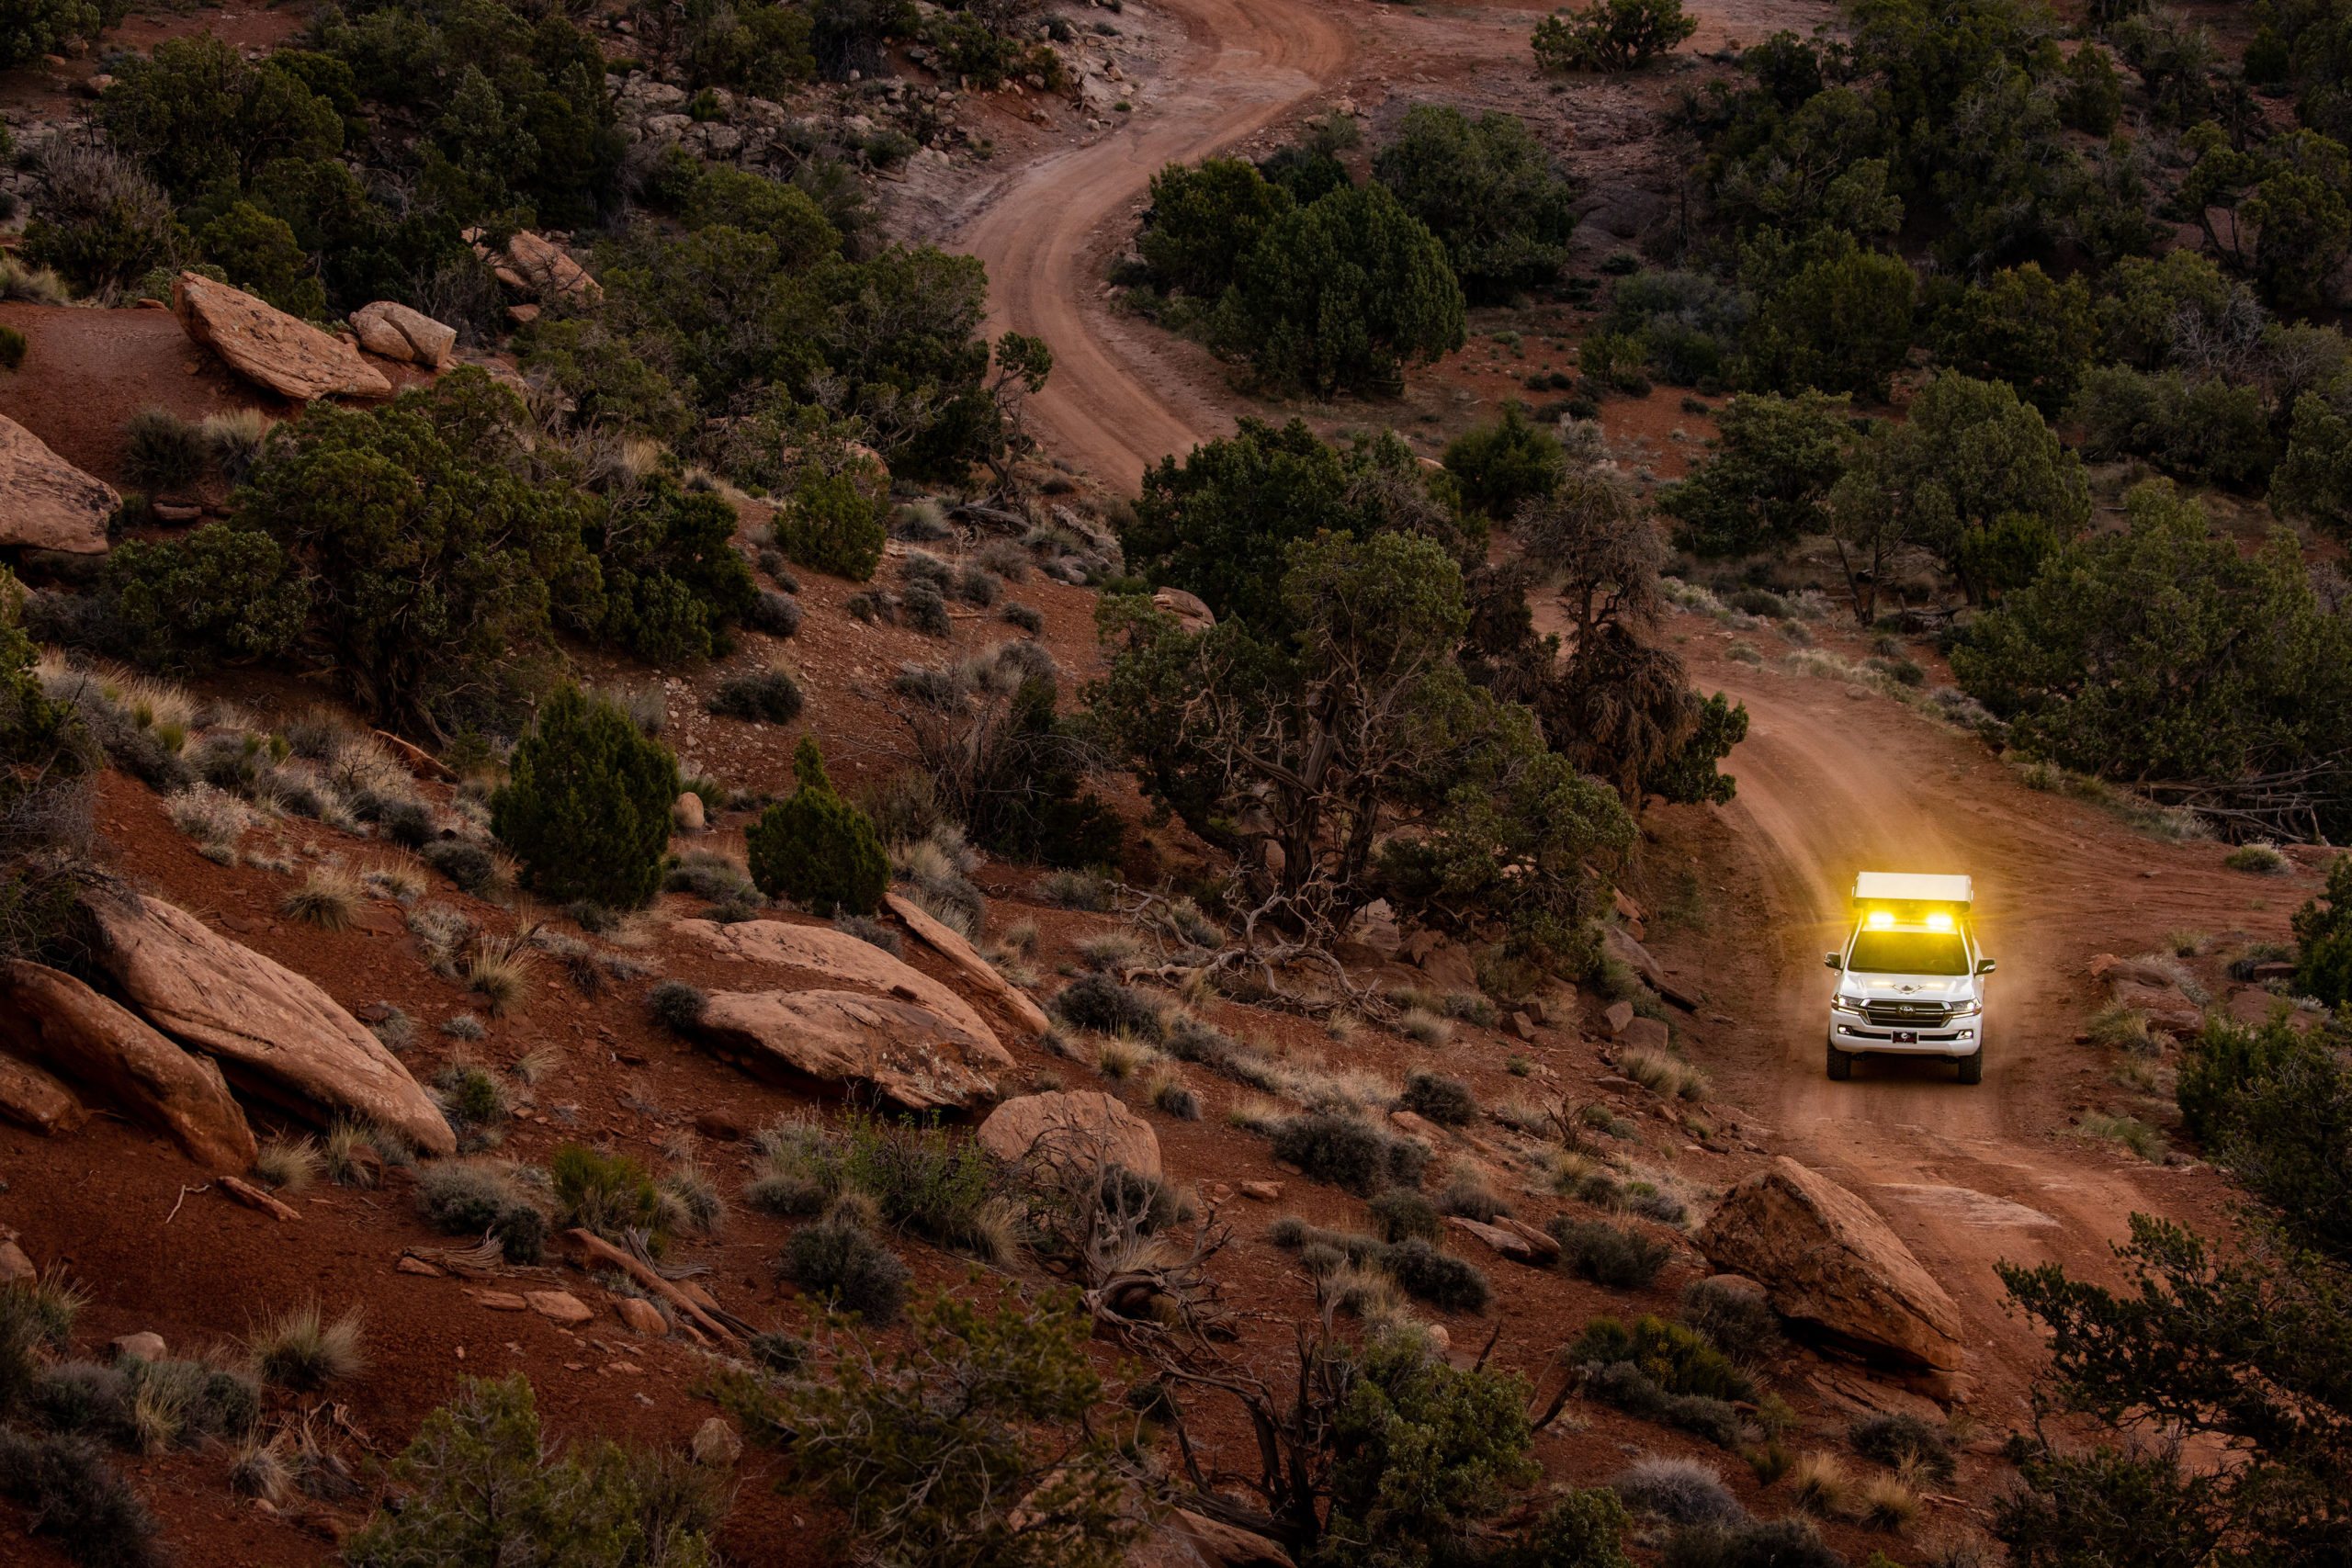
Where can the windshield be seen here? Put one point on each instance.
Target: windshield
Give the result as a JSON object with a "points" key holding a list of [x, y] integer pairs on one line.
{"points": [[1909, 953]]}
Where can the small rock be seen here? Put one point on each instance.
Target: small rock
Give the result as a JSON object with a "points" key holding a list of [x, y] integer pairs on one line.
{"points": [[1289, 1169], [1615, 1017], [1264, 1191], [630, 1367], [688, 813], [1215, 1191], [1647, 1034], [719, 1124], [500, 1300], [1536, 1011], [1508, 1242], [416, 1266], [717, 1444], [173, 511], [147, 1345], [1520, 1027], [15, 1264], [641, 1315], [560, 1305], [1438, 1336]]}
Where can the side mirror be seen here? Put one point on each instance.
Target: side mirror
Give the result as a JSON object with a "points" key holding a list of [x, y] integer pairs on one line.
{"points": [[1984, 966], [1835, 960]]}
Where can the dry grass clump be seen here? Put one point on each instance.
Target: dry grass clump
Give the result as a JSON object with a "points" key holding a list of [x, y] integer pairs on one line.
{"points": [[400, 879], [213, 818], [1424, 1027], [1819, 1484], [1886, 1502], [2129, 1131], [291, 1164], [1668, 1076], [498, 971], [300, 1349], [328, 899], [352, 1155]]}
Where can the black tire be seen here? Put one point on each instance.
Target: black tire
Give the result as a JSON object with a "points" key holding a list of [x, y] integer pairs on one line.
{"points": [[1841, 1065], [1971, 1068]]}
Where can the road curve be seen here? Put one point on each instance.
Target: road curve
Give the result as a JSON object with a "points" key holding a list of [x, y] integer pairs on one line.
{"points": [[1107, 408]]}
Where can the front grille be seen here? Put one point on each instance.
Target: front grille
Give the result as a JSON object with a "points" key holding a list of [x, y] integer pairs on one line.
{"points": [[1907, 1015]]}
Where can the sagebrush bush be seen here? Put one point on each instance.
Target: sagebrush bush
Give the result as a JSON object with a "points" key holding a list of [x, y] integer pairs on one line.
{"points": [[1762, 1543], [1405, 1212], [1740, 1323], [778, 615], [816, 849], [1676, 1358], [1445, 1100], [586, 805], [1435, 1276], [1348, 1152], [607, 1194], [1615, 1256], [1679, 1491], [840, 1262], [1099, 1002], [770, 696], [1895, 1440], [78, 1499]]}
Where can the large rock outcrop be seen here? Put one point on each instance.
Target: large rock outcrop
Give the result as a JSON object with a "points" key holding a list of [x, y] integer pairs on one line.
{"points": [[1071, 1127], [1824, 1257], [50, 504], [392, 331], [910, 1054], [55, 1020], [269, 347], [837, 955], [276, 1034], [950, 946]]}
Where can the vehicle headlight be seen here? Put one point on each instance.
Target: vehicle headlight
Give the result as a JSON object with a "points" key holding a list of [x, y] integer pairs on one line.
{"points": [[1847, 1004], [1966, 1009]]}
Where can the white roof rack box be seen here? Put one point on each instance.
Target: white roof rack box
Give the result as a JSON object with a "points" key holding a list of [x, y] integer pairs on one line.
{"points": [[1912, 887]]}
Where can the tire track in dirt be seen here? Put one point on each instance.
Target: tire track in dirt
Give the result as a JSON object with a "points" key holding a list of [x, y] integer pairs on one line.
{"points": [[1108, 408]]}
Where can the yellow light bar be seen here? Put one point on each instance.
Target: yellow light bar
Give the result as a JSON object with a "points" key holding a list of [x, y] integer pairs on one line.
{"points": [[1939, 921], [1882, 917]]}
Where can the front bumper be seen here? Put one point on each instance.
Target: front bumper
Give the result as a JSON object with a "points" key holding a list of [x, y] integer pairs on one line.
{"points": [[1859, 1036]]}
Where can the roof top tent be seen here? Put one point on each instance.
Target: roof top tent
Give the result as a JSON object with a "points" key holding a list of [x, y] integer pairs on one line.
{"points": [[1909, 891]]}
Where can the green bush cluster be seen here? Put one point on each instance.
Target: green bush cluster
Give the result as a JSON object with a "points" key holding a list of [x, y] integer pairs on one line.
{"points": [[816, 849], [586, 804], [1348, 1152], [840, 1262], [1612, 35]]}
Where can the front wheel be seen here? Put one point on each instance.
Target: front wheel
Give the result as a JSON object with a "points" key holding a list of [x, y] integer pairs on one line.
{"points": [[1971, 1068], [1841, 1065]]}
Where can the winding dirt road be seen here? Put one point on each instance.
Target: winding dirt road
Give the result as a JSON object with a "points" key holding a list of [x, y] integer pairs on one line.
{"points": [[1113, 406], [1827, 784]]}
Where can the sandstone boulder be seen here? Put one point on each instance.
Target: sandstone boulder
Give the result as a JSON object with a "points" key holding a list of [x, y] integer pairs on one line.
{"points": [[146, 1345], [1646, 1033], [913, 1055], [15, 1267], [542, 267], [715, 1443], [31, 1098], [50, 1017], [269, 347], [1190, 612], [1186, 1539], [1510, 1243], [276, 1034], [837, 955], [1616, 1017], [562, 1307], [1619, 943], [641, 1315], [395, 332], [951, 946], [688, 813], [1824, 1257], [52, 504], [1070, 1126]]}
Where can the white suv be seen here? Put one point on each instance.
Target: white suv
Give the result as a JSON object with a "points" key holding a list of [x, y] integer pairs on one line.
{"points": [[1911, 977]]}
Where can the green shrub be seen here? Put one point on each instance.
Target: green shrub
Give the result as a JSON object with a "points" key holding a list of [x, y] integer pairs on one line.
{"points": [[459, 1199], [1677, 1360], [921, 1178], [771, 696], [1435, 1276], [816, 849], [78, 1499], [1610, 35], [840, 1263], [674, 581], [2323, 939], [967, 1448], [1792, 1543], [1497, 466], [1900, 1439], [677, 1006], [587, 802], [1739, 1323], [1491, 194], [1445, 1100], [607, 1194], [1402, 1213], [1348, 1152], [161, 451], [1583, 1530], [1425, 1449], [1626, 1386], [827, 525], [1202, 222], [12, 349], [477, 1487], [1615, 1256]]}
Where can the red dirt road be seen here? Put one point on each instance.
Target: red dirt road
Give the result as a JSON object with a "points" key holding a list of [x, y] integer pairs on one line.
{"points": [[1115, 405]]}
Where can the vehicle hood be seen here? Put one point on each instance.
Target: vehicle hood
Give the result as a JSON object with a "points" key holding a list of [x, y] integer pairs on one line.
{"points": [[1910, 988]]}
